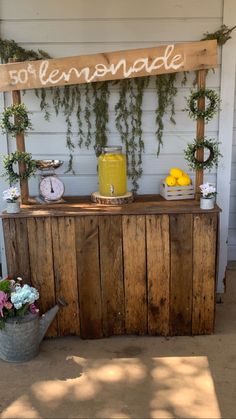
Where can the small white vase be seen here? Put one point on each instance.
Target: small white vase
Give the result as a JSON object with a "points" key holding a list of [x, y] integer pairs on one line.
{"points": [[207, 203], [13, 207]]}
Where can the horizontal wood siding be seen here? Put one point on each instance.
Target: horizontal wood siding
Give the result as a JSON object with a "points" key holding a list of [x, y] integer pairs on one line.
{"points": [[84, 27], [84, 9], [232, 209]]}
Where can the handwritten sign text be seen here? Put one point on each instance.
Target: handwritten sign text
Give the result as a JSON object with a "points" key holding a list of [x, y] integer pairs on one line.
{"points": [[108, 66]]}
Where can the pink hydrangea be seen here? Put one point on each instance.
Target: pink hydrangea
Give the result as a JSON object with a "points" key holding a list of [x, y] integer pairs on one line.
{"points": [[8, 305], [33, 308], [3, 301]]}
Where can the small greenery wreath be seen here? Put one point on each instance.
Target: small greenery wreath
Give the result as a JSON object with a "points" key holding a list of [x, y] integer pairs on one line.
{"points": [[18, 157], [212, 145], [22, 122], [211, 109]]}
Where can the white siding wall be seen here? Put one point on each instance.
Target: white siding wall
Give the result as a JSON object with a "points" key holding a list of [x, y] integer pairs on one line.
{"points": [[88, 26], [232, 213], [74, 27]]}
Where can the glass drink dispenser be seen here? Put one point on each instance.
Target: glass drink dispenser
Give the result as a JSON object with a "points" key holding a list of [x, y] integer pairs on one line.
{"points": [[112, 172]]}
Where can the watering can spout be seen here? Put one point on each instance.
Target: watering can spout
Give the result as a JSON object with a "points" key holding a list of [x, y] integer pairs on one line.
{"points": [[45, 321]]}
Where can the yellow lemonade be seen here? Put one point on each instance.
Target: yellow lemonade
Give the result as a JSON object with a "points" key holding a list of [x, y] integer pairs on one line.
{"points": [[112, 172]]}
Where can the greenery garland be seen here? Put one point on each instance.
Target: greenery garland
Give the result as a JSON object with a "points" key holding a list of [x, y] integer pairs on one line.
{"points": [[166, 92], [21, 122], [101, 94], [10, 49], [212, 160], [92, 113], [222, 35], [211, 109], [18, 157]]}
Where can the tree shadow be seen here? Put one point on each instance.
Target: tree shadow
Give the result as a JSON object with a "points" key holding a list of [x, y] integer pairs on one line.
{"points": [[120, 377]]}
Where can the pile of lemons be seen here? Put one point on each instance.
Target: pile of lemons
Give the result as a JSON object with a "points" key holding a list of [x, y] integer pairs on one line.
{"points": [[177, 177]]}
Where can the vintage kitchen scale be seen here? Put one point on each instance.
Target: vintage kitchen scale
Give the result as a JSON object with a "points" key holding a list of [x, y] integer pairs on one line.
{"points": [[51, 187]]}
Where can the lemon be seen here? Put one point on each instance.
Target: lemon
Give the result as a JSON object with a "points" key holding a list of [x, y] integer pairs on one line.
{"points": [[183, 181], [175, 172], [170, 181]]}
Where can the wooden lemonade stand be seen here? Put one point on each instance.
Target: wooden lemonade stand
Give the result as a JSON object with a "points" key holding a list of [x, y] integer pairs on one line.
{"points": [[147, 267]]}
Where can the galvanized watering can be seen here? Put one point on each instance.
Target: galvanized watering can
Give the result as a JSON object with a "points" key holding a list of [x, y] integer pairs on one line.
{"points": [[21, 336]]}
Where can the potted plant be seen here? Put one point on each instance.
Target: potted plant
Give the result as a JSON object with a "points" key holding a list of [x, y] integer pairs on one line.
{"points": [[208, 194], [21, 328], [11, 196]]}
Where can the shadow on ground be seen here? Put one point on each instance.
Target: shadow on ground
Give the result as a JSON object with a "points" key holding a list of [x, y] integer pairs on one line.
{"points": [[129, 377]]}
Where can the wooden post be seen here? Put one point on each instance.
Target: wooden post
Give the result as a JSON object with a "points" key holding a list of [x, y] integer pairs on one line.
{"points": [[201, 82], [20, 145]]}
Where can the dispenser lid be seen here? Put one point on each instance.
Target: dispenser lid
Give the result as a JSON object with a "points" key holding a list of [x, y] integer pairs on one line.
{"points": [[112, 149]]}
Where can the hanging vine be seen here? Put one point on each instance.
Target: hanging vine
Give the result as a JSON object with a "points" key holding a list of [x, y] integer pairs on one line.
{"points": [[128, 110], [78, 116], [166, 92], [129, 124], [87, 116], [100, 108]]}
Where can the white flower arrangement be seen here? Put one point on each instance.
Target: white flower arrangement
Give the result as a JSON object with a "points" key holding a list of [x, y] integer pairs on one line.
{"points": [[11, 194], [208, 190]]}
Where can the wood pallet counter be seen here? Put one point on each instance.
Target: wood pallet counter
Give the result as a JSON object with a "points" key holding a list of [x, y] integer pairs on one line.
{"points": [[148, 267]]}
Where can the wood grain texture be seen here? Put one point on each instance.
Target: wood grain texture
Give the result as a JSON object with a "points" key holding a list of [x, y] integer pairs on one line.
{"points": [[106, 66], [88, 271], [65, 271], [17, 248], [201, 83], [77, 206], [112, 200], [134, 251], [112, 282], [41, 262], [158, 274], [147, 289], [204, 273], [181, 274], [20, 146]]}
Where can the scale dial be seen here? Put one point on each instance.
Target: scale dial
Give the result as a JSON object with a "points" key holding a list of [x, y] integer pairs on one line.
{"points": [[51, 188]]}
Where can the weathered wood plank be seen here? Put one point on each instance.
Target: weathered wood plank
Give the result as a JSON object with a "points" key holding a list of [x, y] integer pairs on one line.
{"points": [[41, 263], [181, 274], [20, 145], [88, 271], [158, 274], [17, 248], [134, 251], [77, 206], [65, 270], [112, 282], [200, 132], [108, 66], [204, 273]]}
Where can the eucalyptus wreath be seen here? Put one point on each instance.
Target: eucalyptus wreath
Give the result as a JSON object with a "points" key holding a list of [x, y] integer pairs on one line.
{"points": [[18, 157], [192, 104], [90, 103], [212, 160], [21, 123]]}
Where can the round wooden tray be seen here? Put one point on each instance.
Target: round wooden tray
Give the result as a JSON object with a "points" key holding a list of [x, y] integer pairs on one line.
{"points": [[112, 200]]}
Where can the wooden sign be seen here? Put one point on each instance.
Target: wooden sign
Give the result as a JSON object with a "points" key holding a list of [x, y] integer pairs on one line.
{"points": [[108, 66]]}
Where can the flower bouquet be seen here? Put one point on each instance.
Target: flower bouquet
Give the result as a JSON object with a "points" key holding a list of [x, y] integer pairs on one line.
{"points": [[11, 196], [21, 327], [208, 194], [16, 299]]}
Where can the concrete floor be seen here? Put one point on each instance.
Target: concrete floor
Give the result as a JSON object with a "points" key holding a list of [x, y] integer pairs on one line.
{"points": [[129, 377]]}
